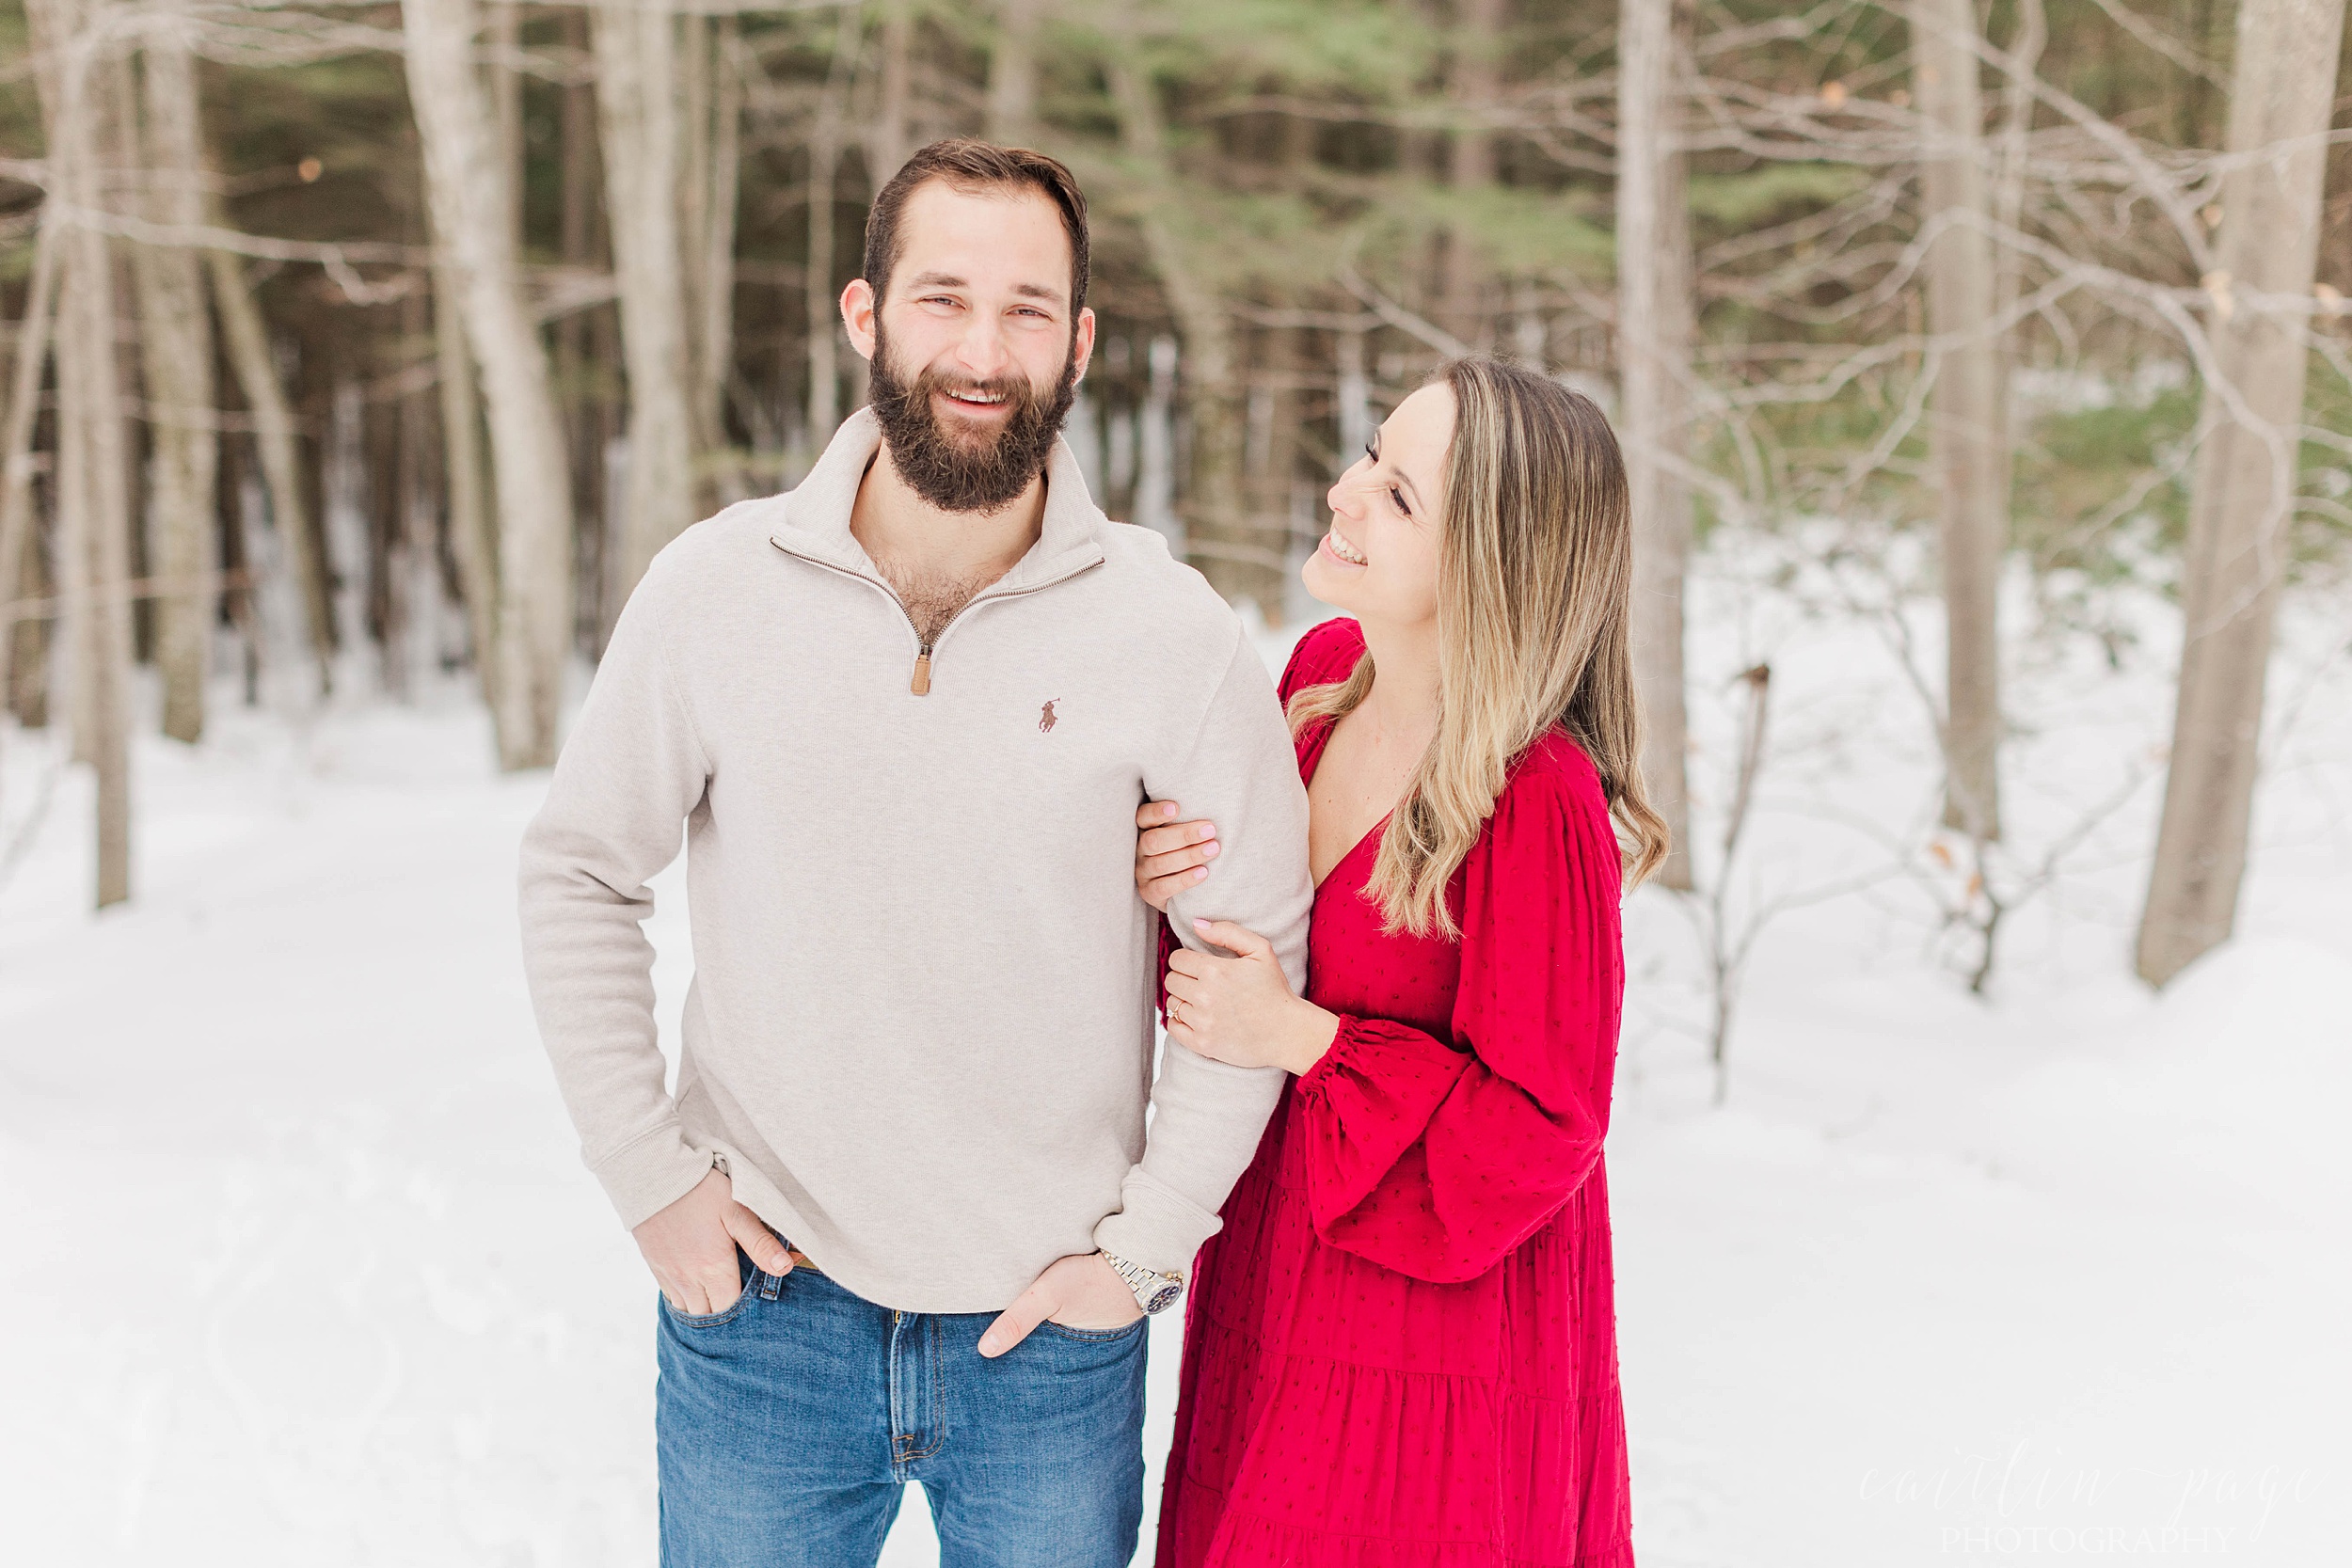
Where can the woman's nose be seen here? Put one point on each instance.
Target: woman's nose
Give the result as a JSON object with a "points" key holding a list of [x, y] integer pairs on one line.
{"points": [[1343, 492]]}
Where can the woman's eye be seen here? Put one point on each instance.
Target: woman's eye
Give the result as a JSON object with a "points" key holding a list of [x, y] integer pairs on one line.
{"points": [[1398, 496]]}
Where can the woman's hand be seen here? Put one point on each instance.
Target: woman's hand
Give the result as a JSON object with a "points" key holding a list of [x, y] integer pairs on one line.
{"points": [[1170, 856], [1242, 1009]]}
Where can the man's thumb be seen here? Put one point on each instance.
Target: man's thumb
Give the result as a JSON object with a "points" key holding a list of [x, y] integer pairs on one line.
{"points": [[758, 1241]]}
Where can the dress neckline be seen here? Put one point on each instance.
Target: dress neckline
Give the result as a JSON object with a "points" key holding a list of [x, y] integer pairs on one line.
{"points": [[1310, 763]]}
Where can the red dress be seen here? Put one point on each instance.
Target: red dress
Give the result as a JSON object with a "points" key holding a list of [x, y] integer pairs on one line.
{"points": [[1401, 1349]]}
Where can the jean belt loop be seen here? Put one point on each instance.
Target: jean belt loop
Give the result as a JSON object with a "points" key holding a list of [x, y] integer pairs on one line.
{"points": [[771, 1284]]}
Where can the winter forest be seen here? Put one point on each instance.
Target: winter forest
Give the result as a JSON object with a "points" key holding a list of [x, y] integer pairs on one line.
{"points": [[1984, 375]]}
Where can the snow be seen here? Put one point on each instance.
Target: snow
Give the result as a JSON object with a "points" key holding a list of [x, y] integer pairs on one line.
{"points": [[299, 1265]]}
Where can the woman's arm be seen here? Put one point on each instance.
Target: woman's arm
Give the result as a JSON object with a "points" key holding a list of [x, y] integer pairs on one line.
{"points": [[1436, 1161]]}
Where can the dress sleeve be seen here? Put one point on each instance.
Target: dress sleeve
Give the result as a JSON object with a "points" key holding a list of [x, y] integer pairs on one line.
{"points": [[1438, 1158]]}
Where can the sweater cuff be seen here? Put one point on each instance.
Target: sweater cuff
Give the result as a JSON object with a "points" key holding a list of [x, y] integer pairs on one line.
{"points": [[646, 1176], [1157, 1227]]}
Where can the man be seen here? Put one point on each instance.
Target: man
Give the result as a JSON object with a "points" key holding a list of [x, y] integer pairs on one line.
{"points": [[906, 714]]}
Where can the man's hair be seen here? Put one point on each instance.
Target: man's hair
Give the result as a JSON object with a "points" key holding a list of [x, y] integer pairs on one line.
{"points": [[972, 167]]}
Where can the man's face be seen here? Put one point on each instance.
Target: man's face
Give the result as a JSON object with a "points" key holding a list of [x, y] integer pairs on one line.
{"points": [[975, 356]]}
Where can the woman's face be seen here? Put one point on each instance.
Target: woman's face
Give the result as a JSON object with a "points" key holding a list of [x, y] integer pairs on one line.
{"points": [[1379, 561]]}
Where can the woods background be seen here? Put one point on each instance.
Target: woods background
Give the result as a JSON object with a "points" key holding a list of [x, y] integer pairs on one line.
{"points": [[354, 346]]}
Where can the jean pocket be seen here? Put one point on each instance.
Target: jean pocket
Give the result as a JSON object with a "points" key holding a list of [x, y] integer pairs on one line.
{"points": [[708, 1320], [1092, 1336]]}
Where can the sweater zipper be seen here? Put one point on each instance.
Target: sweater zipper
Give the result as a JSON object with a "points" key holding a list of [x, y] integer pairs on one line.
{"points": [[919, 684]]}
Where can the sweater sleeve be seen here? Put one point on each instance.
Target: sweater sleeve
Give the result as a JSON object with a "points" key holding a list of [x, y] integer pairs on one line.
{"points": [[1206, 1118], [629, 774], [1436, 1161]]}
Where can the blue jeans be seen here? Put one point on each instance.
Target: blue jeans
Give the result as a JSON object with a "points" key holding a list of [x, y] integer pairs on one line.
{"points": [[790, 1424]]}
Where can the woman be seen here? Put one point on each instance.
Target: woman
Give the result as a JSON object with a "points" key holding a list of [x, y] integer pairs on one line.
{"points": [[1401, 1349]]}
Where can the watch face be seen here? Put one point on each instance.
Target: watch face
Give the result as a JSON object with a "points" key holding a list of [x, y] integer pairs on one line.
{"points": [[1163, 1298]]}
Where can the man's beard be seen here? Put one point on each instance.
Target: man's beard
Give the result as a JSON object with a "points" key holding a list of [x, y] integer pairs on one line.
{"points": [[959, 471]]}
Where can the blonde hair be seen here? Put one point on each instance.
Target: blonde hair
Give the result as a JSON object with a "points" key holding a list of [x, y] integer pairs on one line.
{"points": [[1535, 597]]}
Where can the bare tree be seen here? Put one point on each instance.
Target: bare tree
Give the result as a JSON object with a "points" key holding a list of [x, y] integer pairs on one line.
{"points": [[277, 438], [471, 537], [715, 115], [1965, 423], [2244, 494], [469, 186], [19, 548], [825, 169], [176, 352], [92, 544], [637, 103], [1656, 322]]}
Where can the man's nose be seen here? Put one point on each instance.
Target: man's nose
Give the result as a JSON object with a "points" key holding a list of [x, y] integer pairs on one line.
{"points": [[983, 352]]}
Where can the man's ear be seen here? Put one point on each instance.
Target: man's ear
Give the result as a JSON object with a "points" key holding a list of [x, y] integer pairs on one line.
{"points": [[857, 316], [1082, 349]]}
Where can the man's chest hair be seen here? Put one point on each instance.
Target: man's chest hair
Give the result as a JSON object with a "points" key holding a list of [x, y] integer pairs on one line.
{"points": [[931, 598]]}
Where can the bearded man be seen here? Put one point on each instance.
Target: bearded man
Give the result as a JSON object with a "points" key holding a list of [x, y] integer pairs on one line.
{"points": [[902, 1204]]}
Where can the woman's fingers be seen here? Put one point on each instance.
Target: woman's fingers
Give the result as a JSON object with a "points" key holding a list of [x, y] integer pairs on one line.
{"points": [[1152, 813], [1183, 835], [1234, 939], [1184, 988], [1176, 861], [1186, 961], [1159, 889]]}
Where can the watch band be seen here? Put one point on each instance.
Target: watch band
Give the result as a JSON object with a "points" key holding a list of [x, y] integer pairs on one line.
{"points": [[1154, 1292]]}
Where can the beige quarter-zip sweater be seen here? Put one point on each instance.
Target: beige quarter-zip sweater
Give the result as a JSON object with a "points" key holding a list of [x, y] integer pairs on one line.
{"points": [[919, 1035]]}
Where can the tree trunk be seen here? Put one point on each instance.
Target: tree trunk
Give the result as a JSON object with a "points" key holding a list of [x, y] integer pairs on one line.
{"points": [[176, 339], [888, 137], [1654, 329], [1965, 407], [278, 438], [2025, 44], [2243, 495], [93, 536], [1473, 85], [471, 539], [637, 101], [1239, 562], [506, 100], [718, 131], [1012, 73], [20, 639], [469, 186], [578, 337], [824, 309]]}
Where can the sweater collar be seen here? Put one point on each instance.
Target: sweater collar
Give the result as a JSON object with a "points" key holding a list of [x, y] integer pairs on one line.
{"points": [[816, 520]]}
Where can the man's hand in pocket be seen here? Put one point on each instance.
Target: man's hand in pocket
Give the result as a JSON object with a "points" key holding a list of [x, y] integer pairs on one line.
{"points": [[1080, 1292], [690, 1247]]}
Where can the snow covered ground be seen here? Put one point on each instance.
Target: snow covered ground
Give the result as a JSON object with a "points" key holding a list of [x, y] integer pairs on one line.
{"points": [[297, 1264]]}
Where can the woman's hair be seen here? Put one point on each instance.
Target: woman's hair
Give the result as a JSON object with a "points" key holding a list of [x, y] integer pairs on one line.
{"points": [[1535, 597]]}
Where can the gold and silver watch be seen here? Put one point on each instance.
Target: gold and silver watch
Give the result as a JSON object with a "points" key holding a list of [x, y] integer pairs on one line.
{"points": [[1154, 1292]]}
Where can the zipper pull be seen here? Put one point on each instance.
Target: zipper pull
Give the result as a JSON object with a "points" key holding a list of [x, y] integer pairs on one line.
{"points": [[921, 685]]}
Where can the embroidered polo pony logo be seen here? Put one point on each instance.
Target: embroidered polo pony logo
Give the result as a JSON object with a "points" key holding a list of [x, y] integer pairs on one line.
{"points": [[1047, 719]]}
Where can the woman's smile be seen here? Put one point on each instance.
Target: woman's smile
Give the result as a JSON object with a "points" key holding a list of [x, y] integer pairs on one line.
{"points": [[1335, 544]]}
